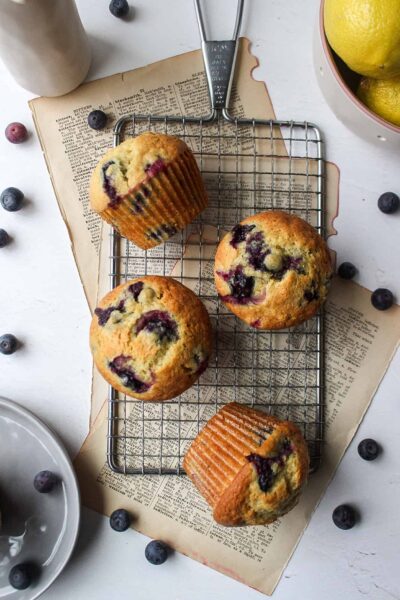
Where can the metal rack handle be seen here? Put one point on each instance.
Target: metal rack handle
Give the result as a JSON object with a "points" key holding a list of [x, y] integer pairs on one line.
{"points": [[219, 60]]}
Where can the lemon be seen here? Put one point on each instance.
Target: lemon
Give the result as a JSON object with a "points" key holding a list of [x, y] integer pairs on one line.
{"points": [[365, 34], [382, 96]]}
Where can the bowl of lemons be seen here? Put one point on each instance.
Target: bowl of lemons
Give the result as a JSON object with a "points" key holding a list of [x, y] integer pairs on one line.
{"points": [[357, 62]]}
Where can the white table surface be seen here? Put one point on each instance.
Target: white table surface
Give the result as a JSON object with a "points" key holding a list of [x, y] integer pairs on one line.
{"points": [[42, 302]]}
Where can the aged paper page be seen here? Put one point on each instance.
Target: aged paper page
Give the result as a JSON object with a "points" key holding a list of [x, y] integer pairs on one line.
{"points": [[360, 342], [175, 86]]}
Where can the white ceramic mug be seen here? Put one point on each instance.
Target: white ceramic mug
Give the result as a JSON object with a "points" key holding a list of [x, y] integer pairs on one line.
{"points": [[44, 45]]}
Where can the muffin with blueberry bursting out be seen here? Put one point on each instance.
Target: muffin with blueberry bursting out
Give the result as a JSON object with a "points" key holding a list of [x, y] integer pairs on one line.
{"points": [[151, 338], [249, 466], [149, 188], [273, 270]]}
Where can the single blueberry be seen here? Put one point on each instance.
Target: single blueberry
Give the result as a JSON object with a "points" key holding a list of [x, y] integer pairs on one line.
{"points": [[11, 199], [8, 343], [156, 167], [108, 186], [344, 516], [103, 314], [156, 552], [368, 449], [241, 285], [21, 576], [120, 520], [388, 203], [159, 322], [263, 464], [264, 471], [97, 119], [257, 251], [119, 8], [135, 289], [239, 233], [16, 133], [127, 375], [45, 481], [347, 270], [4, 238], [382, 299]]}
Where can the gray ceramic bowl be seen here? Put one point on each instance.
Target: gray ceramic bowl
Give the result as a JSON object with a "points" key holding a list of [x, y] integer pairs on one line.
{"points": [[338, 85], [41, 528]]}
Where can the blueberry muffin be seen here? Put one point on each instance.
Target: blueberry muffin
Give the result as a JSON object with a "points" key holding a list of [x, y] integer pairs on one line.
{"points": [[149, 187], [250, 467], [151, 338], [273, 270]]}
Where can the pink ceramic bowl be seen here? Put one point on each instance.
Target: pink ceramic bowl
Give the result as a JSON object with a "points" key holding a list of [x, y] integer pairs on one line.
{"points": [[338, 85]]}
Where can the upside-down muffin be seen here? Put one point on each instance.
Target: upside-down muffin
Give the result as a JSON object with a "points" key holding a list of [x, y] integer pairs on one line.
{"points": [[249, 466], [273, 270], [149, 187], [151, 338]]}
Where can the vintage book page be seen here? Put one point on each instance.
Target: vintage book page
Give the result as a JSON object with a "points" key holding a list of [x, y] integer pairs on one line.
{"points": [[360, 343], [175, 86]]}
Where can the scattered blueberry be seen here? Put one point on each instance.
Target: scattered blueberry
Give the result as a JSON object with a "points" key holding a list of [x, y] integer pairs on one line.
{"points": [[21, 576], [120, 520], [382, 299], [347, 270], [8, 343], [156, 552], [11, 199], [4, 238], [16, 133], [97, 119], [119, 8], [45, 481], [368, 449], [344, 516], [389, 203]]}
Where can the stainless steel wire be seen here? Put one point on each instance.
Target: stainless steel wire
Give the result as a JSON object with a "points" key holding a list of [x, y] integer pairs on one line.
{"points": [[248, 166]]}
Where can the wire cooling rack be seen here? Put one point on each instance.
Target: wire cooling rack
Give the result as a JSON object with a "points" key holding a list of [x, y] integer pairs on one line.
{"points": [[248, 166]]}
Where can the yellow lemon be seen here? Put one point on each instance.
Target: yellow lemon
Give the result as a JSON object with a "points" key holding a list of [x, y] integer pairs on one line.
{"points": [[382, 96], [365, 34]]}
